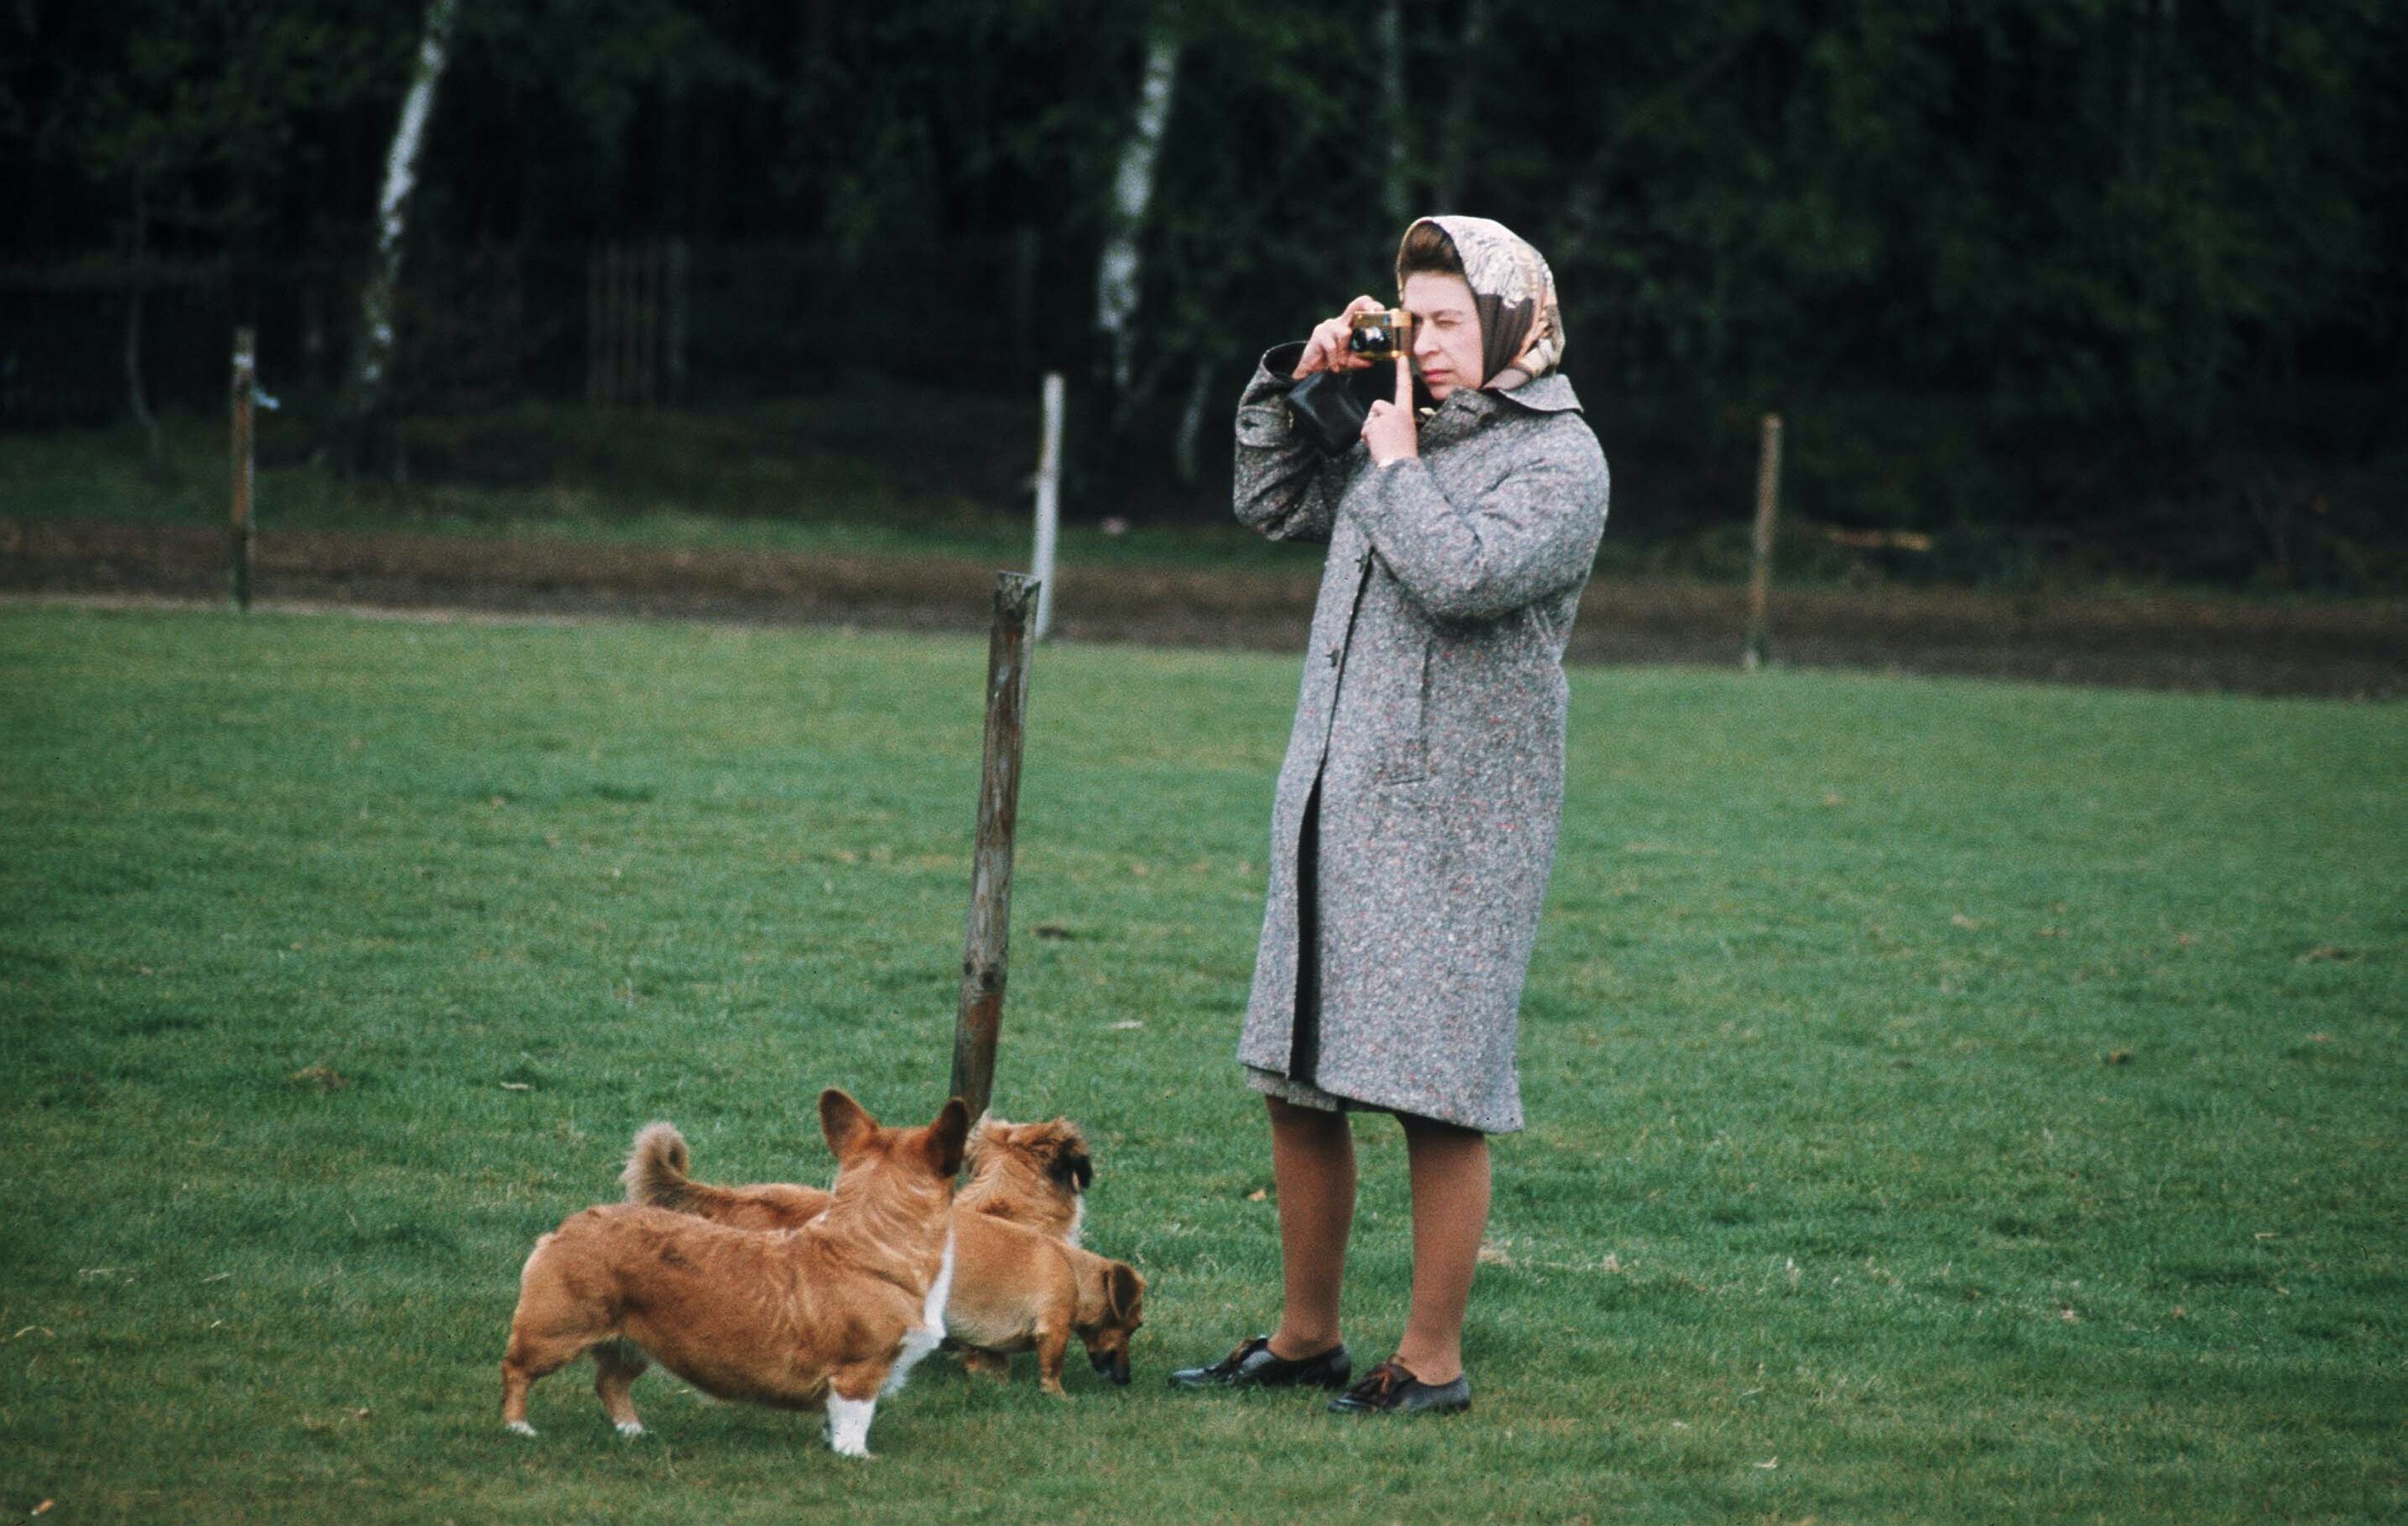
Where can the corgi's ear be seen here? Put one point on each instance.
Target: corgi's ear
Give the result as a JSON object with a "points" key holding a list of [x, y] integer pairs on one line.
{"points": [[1123, 1290], [946, 1136], [845, 1122]]}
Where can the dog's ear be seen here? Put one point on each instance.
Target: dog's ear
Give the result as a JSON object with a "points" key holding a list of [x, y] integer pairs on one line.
{"points": [[1123, 1290], [845, 1122], [946, 1138], [1071, 1166]]}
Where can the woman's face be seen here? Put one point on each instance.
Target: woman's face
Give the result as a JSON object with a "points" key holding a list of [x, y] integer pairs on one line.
{"points": [[1446, 332]]}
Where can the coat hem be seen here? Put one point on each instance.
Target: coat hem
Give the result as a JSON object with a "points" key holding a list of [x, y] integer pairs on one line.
{"points": [[1287, 1089]]}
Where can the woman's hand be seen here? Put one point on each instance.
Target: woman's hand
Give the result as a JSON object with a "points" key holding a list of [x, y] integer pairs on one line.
{"points": [[1390, 434], [1326, 349]]}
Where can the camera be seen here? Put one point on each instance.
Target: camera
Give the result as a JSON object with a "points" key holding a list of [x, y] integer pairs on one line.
{"points": [[1329, 406], [1382, 335]]}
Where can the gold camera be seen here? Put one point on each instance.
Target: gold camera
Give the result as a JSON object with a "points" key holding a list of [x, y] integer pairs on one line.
{"points": [[1381, 335]]}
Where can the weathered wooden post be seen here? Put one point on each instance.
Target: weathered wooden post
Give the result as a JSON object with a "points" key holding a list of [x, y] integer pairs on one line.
{"points": [[246, 385], [1768, 513], [990, 921], [1049, 502]]}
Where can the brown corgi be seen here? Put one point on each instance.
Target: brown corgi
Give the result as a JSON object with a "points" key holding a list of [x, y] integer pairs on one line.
{"points": [[831, 1313], [1015, 1288]]}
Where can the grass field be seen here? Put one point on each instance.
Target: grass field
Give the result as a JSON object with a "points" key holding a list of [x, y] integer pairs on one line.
{"points": [[1951, 1101]]}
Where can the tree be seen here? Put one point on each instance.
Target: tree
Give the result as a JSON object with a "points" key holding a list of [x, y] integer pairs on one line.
{"points": [[372, 357], [1119, 271]]}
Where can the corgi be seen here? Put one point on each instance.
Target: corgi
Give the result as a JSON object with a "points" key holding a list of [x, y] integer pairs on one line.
{"points": [[831, 1313], [1017, 1286]]}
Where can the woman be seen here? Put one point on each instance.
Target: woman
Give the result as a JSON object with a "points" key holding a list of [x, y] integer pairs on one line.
{"points": [[1415, 820]]}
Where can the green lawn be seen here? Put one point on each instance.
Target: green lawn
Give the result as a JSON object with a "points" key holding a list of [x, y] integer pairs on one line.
{"points": [[1951, 1101]]}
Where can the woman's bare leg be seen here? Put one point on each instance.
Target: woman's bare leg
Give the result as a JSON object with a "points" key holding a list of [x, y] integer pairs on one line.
{"points": [[1449, 1167], [1313, 1167]]}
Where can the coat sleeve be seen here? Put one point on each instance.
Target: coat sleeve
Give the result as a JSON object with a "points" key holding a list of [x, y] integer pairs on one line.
{"points": [[1286, 489], [1532, 534]]}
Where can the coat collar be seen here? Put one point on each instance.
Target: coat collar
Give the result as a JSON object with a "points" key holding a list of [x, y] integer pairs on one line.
{"points": [[1550, 393], [1463, 412]]}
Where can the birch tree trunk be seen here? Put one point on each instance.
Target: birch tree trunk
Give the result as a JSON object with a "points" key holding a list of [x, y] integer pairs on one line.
{"points": [[372, 366], [1120, 273]]}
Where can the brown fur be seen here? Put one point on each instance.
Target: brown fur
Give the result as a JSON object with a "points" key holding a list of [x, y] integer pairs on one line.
{"points": [[657, 1175], [810, 1314], [1016, 1287], [1032, 1174]]}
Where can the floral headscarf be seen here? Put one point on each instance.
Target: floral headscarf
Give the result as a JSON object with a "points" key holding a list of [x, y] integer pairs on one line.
{"points": [[1521, 327]]}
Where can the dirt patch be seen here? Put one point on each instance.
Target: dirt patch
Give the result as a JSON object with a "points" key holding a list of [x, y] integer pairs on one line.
{"points": [[2156, 640]]}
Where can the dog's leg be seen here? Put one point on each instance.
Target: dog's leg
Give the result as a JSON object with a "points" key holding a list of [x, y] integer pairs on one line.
{"points": [[1052, 1342], [617, 1364], [551, 1327], [530, 1358], [994, 1365], [848, 1418], [917, 1344]]}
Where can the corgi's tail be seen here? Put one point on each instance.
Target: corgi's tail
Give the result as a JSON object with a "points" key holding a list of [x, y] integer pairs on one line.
{"points": [[656, 1167]]}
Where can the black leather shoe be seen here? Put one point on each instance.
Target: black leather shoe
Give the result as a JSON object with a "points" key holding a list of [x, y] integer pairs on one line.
{"points": [[1252, 1365], [1392, 1390]]}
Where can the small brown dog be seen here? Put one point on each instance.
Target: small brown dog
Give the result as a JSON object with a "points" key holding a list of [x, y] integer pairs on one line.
{"points": [[833, 1312], [1016, 1286], [1016, 1289]]}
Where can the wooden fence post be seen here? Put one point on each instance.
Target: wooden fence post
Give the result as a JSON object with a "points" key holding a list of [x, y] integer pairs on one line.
{"points": [[1768, 513], [1049, 502], [245, 386], [983, 957]]}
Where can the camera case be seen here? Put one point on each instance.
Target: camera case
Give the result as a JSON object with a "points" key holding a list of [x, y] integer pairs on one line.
{"points": [[1328, 410]]}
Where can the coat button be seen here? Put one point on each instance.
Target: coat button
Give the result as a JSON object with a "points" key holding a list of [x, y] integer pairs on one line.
{"points": [[1334, 652]]}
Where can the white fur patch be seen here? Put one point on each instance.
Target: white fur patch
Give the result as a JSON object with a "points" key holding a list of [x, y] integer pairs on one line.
{"points": [[848, 1424], [1078, 1220], [631, 1428], [520, 1428], [930, 1332]]}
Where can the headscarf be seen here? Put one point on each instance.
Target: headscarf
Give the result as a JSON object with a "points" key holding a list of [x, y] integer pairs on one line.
{"points": [[1521, 327]]}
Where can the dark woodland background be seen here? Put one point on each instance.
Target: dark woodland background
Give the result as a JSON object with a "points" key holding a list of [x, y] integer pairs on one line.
{"points": [[2118, 285]]}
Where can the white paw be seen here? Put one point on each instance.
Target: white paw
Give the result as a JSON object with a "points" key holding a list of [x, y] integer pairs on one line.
{"points": [[519, 1428], [848, 1430], [631, 1428]]}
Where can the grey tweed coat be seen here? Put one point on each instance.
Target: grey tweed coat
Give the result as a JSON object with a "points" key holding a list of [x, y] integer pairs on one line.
{"points": [[1431, 723]]}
